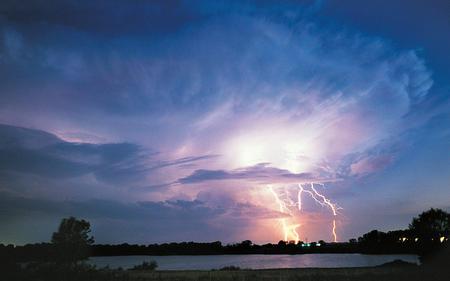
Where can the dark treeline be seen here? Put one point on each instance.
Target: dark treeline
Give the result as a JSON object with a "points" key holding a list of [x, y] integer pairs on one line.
{"points": [[247, 247], [374, 242], [216, 248]]}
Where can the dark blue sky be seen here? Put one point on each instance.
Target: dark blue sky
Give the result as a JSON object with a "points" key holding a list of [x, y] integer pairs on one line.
{"points": [[194, 120]]}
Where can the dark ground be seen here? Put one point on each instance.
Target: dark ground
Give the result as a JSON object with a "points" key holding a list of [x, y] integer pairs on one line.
{"points": [[400, 272]]}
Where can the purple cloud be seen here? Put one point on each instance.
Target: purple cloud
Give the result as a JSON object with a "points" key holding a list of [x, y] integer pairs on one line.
{"points": [[261, 173]]}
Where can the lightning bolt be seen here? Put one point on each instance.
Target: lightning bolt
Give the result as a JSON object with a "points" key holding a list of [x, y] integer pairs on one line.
{"points": [[289, 230], [323, 201], [334, 230], [282, 207], [334, 208], [326, 201], [285, 205], [294, 233]]}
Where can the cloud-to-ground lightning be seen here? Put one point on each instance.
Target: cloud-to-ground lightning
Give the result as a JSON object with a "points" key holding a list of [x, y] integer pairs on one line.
{"points": [[286, 205], [289, 230], [334, 230], [332, 206]]}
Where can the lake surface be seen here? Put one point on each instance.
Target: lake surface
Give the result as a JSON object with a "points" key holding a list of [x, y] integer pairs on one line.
{"points": [[251, 261]]}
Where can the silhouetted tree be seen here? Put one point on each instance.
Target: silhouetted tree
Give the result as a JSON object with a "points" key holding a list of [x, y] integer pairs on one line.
{"points": [[282, 243], [373, 237], [72, 240], [431, 224], [246, 244]]}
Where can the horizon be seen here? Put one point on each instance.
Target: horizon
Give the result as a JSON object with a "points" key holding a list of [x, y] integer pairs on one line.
{"points": [[222, 120], [304, 241]]}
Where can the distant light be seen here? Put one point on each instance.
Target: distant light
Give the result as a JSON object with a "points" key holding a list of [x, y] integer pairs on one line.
{"points": [[318, 244], [404, 239], [416, 239], [442, 239]]}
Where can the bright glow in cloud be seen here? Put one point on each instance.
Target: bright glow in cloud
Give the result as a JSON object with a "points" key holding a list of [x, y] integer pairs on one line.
{"points": [[282, 149], [307, 109]]}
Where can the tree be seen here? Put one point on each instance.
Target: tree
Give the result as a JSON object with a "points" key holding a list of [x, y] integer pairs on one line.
{"points": [[431, 224], [372, 238], [246, 244], [282, 243], [72, 240]]}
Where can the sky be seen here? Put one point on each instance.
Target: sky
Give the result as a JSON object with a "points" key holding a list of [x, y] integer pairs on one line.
{"points": [[161, 121]]}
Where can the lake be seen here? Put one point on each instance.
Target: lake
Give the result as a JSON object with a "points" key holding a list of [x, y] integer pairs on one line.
{"points": [[251, 261]]}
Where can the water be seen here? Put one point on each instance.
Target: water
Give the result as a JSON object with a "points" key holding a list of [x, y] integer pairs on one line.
{"points": [[251, 261]]}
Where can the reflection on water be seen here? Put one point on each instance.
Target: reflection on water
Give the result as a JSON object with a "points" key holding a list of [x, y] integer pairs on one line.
{"points": [[252, 261]]}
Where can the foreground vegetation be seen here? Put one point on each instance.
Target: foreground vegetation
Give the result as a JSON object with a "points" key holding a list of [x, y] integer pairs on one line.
{"points": [[85, 273], [313, 274]]}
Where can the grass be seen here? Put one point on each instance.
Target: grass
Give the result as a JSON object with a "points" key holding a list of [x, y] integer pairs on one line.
{"points": [[394, 271], [304, 274]]}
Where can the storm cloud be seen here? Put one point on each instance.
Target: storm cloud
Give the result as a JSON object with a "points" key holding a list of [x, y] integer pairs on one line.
{"points": [[145, 110]]}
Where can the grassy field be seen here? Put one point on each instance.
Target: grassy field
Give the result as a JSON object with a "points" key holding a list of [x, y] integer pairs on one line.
{"points": [[304, 274], [51, 272]]}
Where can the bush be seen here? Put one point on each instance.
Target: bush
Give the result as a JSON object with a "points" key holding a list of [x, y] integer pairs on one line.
{"points": [[231, 267], [52, 271], [146, 266]]}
